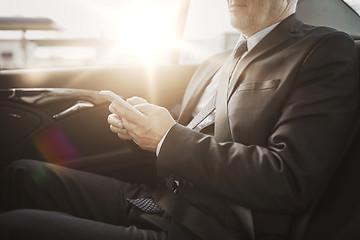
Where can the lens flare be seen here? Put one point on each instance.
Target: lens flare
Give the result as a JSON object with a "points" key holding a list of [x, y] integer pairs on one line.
{"points": [[55, 147]]}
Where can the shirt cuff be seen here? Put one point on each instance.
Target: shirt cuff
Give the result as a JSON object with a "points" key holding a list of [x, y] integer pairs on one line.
{"points": [[161, 142]]}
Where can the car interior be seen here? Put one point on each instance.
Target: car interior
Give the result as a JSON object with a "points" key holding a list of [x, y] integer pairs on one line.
{"points": [[57, 115]]}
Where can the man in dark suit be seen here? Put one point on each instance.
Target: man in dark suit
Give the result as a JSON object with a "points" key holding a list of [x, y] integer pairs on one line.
{"points": [[261, 132]]}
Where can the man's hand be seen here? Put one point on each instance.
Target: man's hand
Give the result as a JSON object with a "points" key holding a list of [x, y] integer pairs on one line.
{"points": [[147, 130], [116, 123]]}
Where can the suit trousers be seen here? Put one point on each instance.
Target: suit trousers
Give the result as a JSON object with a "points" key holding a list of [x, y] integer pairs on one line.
{"points": [[45, 201]]}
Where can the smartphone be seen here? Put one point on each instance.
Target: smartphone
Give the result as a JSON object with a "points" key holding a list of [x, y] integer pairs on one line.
{"points": [[112, 97]]}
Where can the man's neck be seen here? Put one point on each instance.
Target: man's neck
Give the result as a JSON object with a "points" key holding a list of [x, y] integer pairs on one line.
{"points": [[251, 32], [256, 38]]}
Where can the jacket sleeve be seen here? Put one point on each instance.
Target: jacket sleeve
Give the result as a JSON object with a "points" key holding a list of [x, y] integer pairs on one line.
{"points": [[303, 150]]}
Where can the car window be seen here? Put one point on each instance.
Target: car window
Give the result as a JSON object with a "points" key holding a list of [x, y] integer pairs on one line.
{"points": [[116, 32], [39, 33], [207, 31], [354, 4], [201, 41]]}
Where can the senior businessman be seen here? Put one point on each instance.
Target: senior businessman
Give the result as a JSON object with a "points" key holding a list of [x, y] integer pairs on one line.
{"points": [[261, 131]]}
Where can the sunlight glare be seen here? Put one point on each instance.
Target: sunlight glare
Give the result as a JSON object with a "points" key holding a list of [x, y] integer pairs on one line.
{"points": [[145, 29], [148, 30]]}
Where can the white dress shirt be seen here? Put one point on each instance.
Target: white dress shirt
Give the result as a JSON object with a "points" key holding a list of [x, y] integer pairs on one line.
{"points": [[211, 89]]}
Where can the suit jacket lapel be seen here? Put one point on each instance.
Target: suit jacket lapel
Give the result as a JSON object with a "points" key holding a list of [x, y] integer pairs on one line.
{"points": [[196, 93], [280, 34], [203, 78]]}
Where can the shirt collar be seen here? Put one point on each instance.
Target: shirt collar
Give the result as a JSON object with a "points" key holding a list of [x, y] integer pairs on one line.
{"points": [[257, 37]]}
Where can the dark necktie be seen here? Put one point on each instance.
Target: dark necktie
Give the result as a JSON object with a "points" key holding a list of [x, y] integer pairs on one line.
{"points": [[149, 205], [206, 111]]}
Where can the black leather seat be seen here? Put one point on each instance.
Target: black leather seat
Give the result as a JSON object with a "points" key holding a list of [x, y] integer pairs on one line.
{"points": [[338, 214]]}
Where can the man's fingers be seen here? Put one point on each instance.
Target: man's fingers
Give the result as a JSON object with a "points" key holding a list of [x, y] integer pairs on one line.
{"points": [[131, 127], [125, 137], [148, 109], [136, 100], [147, 129], [115, 121], [122, 131], [124, 112]]}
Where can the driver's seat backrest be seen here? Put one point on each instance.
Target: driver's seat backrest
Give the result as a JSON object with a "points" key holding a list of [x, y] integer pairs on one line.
{"points": [[338, 214]]}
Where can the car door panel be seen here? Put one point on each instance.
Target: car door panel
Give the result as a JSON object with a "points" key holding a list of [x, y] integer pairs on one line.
{"points": [[68, 126]]}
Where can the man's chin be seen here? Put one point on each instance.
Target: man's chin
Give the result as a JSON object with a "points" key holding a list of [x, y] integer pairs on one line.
{"points": [[240, 24]]}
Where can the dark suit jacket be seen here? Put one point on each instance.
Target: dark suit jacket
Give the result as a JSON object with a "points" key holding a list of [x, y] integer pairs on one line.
{"points": [[290, 113]]}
